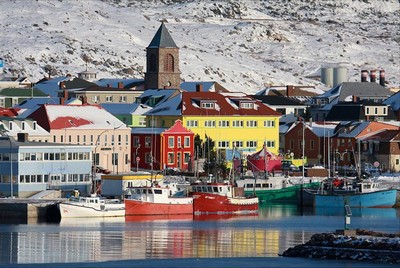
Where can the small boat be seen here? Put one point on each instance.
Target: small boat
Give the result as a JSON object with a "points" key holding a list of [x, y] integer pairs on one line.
{"points": [[222, 198], [91, 207], [358, 194], [276, 189], [165, 199]]}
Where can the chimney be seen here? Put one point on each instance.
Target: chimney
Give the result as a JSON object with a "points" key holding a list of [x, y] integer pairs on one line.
{"points": [[372, 76], [22, 137], [64, 97], [355, 99], [120, 85], [289, 90], [382, 78], [364, 76], [199, 87]]}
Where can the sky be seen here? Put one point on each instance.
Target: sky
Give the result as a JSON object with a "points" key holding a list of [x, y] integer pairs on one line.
{"points": [[243, 45]]}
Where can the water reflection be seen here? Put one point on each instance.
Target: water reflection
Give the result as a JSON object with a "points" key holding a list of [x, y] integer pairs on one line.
{"points": [[267, 234]]}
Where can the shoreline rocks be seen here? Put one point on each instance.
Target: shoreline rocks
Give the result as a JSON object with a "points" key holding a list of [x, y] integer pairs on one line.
{"points": [[365, 246]]}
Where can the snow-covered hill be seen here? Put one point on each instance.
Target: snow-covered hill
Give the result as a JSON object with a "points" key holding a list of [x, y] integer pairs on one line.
{"points": [[244, 45]]}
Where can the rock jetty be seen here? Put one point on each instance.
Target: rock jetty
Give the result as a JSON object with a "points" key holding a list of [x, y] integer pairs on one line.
{"points": [[364, 246]]}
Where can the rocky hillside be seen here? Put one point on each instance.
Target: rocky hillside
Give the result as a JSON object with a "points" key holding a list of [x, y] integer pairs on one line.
{"points": [[244, 45]]}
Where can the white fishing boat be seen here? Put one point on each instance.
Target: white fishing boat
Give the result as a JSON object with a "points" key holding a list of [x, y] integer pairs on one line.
{"points": [[91, 207]]}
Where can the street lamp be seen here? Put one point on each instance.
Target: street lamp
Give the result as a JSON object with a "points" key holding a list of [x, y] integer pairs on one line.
{"points": [[303, 146], [137, 158], [95, 159]]}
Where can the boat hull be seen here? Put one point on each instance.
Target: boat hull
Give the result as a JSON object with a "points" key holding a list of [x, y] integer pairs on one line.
{"points": [[137, 207], [70, 210], [207, 203], [290, 194], [377, 199]]}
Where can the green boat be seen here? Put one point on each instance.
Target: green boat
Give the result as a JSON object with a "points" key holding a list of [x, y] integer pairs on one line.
{"points": [[276, 189]]}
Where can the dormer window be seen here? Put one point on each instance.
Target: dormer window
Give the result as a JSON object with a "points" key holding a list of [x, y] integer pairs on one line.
{"points": [[208, 105], [247, 105]]}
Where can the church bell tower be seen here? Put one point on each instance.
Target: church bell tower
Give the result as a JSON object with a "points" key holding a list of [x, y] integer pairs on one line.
{"points": [[162, 62]]}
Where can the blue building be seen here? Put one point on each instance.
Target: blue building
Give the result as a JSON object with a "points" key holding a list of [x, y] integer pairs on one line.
{"points": [[39, 166]]}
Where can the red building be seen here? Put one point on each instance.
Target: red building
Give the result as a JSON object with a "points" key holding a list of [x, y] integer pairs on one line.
{"points": [[161, 148]]}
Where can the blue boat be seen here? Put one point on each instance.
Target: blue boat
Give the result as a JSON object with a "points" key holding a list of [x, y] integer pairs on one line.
{"points": [[362, 194]]}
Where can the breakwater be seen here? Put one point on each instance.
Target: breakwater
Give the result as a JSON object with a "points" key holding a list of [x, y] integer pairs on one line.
{"points": [[363, 246]]}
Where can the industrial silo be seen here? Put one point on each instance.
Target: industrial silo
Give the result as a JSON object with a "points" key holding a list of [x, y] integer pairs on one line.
{"points": [[339, 75], [327, 75]]}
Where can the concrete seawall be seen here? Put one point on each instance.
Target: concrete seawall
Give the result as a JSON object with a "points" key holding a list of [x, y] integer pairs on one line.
{"points": [[28, 210]]}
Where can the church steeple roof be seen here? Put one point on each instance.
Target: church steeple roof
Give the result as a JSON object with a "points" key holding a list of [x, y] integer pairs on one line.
{"points": [[162, 38]]}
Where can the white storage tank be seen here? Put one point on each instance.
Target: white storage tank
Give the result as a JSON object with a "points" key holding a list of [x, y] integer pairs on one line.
{"points": [[327, 75], [339, 75]]}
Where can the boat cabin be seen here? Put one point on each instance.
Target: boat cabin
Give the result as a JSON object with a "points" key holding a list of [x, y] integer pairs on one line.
{"points": [[225, 189]]}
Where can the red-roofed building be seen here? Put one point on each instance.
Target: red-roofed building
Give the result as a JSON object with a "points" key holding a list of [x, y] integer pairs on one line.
{"points": [[163, 147], [89, 125]]}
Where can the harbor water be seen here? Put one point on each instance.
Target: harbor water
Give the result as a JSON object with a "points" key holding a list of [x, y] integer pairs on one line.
{"points": [[212, 241]]}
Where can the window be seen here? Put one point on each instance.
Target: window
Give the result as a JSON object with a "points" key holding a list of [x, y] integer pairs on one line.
{"points": [[238, 144], [147, 142], [96, 99], [208, 105], [115, 159], [311, 145], [270, 144], [142, 121], [376, 146], [269, 123], [179, 142], [147, 158], [119, 139], [109, 98], [251, 144], [209, 123], [223, 144], [136, 141], [186, 142], [170, 158], [192, 123], [251, 123], [247, 105], [237, 123], [152, 63], [171, 142], [96, 158], [122, 99], [223, 123], [186, 157], [169, 63]]}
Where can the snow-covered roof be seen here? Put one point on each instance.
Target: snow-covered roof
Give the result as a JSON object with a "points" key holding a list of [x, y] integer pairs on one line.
{"points": [[81, 117], [126, 108]]}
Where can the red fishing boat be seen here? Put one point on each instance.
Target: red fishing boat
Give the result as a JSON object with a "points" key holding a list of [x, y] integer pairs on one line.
{"points": [[157, 200], [222, 198]]}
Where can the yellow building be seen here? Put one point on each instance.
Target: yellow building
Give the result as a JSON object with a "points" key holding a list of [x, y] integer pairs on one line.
{"points": [[230, 119]]}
